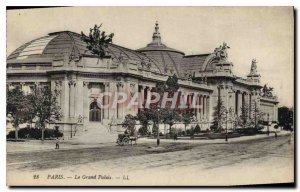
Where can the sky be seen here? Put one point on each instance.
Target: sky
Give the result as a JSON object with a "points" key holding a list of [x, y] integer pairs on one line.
{"points": [[263, 33]]}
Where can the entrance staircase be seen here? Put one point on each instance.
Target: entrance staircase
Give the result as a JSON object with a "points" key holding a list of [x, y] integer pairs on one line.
{"points": [[95, 133]]}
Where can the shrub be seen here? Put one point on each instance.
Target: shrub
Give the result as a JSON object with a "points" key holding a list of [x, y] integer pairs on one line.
{"points": [[247, 131], [143, 130], [188, 132], [265, 123], [197, 129], [259, 127], [35, 133], [192, 131], [214, 128]]}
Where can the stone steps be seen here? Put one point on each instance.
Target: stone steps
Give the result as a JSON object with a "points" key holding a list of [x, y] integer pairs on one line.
{"points": [[95, 133]]}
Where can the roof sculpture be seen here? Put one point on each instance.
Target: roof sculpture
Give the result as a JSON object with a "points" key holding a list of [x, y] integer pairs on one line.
{"points": [[156, 56]]}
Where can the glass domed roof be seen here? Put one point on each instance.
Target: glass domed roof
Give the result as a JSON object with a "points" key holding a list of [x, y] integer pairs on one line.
{"points": [[59, 44], [169, 59]]}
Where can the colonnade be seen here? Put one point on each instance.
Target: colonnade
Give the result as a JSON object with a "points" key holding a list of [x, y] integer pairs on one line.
{"points": [[200, 107]]}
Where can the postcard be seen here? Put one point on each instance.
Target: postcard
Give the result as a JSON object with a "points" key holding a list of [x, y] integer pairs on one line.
{"points": [[150, 96]]}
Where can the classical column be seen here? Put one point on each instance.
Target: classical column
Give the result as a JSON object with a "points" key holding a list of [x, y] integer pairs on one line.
{"points": [[204, 106], [86, 102], [36, 85], [246, 100], [142, 97], [201, 106], [232, 101], [132, 91], [236, 100], [197, 109], [250, 104], [106, 100], [79, 94], [226, 104], [65, 100], [112, 110], [240, 103], [276, 117], [207, 107], [187, 100], [120, 109], [128, 89], [22, 84], [58, 87], [147, 96], [195, 97], [8, 85], [72, 85]]}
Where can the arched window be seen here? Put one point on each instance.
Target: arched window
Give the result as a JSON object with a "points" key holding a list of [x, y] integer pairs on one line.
{"points": [[95, 112]]}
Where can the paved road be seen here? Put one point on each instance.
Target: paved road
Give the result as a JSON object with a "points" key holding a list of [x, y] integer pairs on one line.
{"points": [[42, 160], [265, 160], [205, 156]]}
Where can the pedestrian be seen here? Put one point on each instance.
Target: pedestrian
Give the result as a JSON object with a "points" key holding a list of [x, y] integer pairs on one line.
{"points": [[125, 132], [291, 138], [135, 136], [175, 137], [275, 135], [57, 143]]}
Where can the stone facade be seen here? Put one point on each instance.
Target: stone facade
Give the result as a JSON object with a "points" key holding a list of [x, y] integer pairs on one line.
{"points": [[64, 64]]}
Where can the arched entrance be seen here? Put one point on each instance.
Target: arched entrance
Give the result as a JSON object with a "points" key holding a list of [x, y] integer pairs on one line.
{"points": [[95, 112]]}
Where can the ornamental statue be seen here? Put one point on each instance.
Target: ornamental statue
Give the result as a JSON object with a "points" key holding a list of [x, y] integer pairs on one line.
{"points": [[267, 91], [143, 64], [221, 52], [253, 70]]}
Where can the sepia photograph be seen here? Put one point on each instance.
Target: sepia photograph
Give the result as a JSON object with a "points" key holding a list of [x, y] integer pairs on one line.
{"points": [[150, 96]]}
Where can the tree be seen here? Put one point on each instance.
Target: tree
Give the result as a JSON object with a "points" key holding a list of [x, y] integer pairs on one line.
{"points": [[148, 116], [256, 114], [285, 117], [142, 118], [244, 119], [129, 123], [219, 115], [197, 129], [97, 41], [43, 103], [187, 117], [154, 113], [169, 115], [17, 106]]}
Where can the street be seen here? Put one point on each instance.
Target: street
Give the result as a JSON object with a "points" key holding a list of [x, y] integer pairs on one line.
{"points": [[255, 156]]}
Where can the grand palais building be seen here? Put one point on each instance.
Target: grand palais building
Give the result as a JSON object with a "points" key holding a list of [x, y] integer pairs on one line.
{"points": [[62, 61]]}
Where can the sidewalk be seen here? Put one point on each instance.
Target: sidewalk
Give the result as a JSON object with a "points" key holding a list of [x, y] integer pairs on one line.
{"points": [[221, 141], [49, 145]]}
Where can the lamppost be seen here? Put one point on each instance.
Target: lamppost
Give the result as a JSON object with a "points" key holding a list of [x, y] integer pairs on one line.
{"points": [[255, 124], [71, 130], [226, 135], [40, 125], [158, 139], [268, 132], [234, 121]]}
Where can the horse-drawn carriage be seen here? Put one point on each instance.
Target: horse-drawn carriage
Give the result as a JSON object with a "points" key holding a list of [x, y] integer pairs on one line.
{"points": [[125, 139]]}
